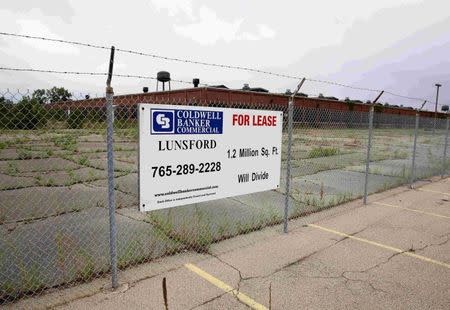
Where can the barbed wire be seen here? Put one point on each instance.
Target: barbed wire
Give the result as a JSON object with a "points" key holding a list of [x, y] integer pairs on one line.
{"points": [[149, 55], [195, 62], [343, 85], [54, 40], [174, 80], [88, 73], [410, 98], [218, 65], [51, 71], [153, 78]]}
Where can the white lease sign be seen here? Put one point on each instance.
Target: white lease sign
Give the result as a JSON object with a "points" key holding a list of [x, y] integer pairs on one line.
{"points": [[190, 154]]}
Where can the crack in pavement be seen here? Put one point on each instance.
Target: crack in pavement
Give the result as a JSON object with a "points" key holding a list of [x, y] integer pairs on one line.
{"points": [[447, 236], [301, 259], [242, 278], [346, 275]]}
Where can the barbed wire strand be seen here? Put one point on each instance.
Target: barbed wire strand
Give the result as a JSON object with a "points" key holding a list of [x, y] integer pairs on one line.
{"points": [[343, 85], [146, 77], [54, 40], [88, 73], [152, 78], [167, 58], [149, 55]]}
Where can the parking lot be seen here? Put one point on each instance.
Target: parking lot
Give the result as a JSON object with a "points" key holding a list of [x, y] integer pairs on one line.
{"points": [[54, 217], [392, 253]]}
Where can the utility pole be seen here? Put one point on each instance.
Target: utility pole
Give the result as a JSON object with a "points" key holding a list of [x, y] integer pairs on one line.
{"points": [[436, 106]]}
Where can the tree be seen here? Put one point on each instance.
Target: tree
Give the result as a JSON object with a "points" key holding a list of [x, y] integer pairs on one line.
{"points": [[4, 101], [6, 107], [54, 94], [39, 95]]}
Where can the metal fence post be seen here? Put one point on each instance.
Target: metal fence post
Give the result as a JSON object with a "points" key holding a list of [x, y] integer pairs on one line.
{"points": [[413, 163], [111, 194], [444, 159], [369, 145], [288, 166], [288, 160]]}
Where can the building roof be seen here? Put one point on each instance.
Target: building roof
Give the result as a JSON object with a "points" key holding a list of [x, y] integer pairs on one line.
{"points": [[208, 95]]}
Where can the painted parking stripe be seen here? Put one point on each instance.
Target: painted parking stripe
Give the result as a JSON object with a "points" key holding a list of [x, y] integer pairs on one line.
{"points": [[432, 191], [225, 287], [412, 210], [387, 247]]}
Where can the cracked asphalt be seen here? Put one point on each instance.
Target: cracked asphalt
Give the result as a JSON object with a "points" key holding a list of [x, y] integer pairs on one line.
{"points": [[355, 256]]}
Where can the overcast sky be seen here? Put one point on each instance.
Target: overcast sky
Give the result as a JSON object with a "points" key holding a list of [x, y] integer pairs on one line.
{"points": [[398, 45]]}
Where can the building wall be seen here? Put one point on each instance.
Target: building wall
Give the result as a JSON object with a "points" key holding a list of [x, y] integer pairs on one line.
{"points": [[205, 95]]}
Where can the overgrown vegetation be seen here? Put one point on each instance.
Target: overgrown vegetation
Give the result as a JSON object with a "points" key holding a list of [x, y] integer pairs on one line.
{"points": [[186, 230], [76, 118], [26, 114], [52, 95], [323, 152], [66, 142]]}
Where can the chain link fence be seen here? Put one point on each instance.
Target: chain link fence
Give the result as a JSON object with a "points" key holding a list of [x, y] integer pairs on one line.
{"points": [[54, 217]]}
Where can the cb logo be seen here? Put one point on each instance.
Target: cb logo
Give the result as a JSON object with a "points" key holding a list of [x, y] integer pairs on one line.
{"points": [[162, 121]]}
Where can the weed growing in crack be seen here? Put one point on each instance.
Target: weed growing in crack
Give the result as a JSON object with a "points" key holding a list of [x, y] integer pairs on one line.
{"points": [[83, 160], [24, 154], [323, 152], [91, 176], [50, 182], [75, 208], [60, 250], [12, 168], [39, 179], [32, 278], [87, 270], [132, 254], [66, 142], [73, 178]]}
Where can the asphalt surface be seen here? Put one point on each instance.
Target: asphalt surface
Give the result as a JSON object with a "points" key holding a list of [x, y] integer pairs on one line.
{"points": [[392, 253]]}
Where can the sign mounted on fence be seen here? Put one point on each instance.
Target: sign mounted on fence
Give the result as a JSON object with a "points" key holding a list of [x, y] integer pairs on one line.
{"points": [[190, 154]]}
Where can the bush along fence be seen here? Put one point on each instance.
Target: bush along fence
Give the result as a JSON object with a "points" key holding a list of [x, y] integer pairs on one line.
{"points": [[69, 171]]}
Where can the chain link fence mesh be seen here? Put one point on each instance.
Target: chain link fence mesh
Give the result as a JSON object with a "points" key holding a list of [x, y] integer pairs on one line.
{"points": [[54, 223], [54, 219]]}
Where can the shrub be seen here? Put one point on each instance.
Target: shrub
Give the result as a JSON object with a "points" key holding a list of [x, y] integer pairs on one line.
{"points": [[26, 114], [76, 118], [56, 114]]}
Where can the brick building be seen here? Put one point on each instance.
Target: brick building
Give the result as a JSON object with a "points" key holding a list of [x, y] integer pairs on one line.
{"points": [[221, 96]]}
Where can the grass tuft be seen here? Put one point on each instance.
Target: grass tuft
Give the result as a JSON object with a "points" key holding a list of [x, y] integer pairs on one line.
{"points": [[323, 152]]}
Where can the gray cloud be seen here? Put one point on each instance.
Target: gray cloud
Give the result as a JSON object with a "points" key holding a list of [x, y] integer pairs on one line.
{"points": [[401, 46], [51, 8]]}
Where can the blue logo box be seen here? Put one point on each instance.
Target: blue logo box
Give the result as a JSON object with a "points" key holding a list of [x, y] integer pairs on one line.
{"points": [[185, 122]]}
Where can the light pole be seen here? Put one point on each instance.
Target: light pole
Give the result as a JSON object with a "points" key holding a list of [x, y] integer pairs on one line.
{"points": [[436, 105], [444, 157]]}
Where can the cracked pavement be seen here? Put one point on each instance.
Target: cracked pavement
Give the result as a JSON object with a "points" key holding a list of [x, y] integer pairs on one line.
{"points": [[309, 268]]}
